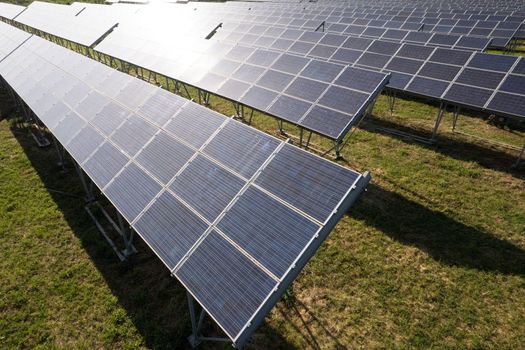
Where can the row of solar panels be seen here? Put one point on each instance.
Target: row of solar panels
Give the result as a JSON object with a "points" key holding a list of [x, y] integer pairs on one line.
{"points": [[232, 212], [424, 38], [429, 79], [400, 7], [194, 62], [479, 80], [501, 33], [260, 79]]}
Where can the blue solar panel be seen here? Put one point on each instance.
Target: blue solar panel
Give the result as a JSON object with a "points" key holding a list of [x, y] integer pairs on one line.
{"points": [[468, 95], [294, 109], [195, 124], [164, 157], [241, 148], [508, 104], [306, 89], [514, 84], [297, 177], [206, 187], [481, 78], [322, 71], [344, 100], [131, 190], [170, 228], [325, 121], [360, 79], [281, 233], [497, 63], [427, 87], [226, 282]]}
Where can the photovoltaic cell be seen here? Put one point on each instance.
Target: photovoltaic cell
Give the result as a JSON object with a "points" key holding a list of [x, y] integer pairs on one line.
{"points": [[84, 143], [481, 78], [290, 63], [344, 100], [203, 274], [427, 87], [306, 89], [233, 89], [508, 104], [241, 148], [195, 124], [497, 63], [274, 80], [514, 84], [164, 157], [439, 71], [403, 65], [322, 71], [295, 177], [133, 134], [104, 164], [259, 98], [170, 228], [468, 95], [160, 106], [290, 107], [281, 233], [207, 187], [373, 60], [110, 117], [450, 56], [326, 121], [131, 190], [359, 79]]}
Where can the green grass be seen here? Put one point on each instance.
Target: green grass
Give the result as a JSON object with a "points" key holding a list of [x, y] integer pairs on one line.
{"points": [[431, 256]]}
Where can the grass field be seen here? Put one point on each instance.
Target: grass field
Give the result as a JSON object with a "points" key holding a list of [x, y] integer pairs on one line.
{"points": [[431, 256]]}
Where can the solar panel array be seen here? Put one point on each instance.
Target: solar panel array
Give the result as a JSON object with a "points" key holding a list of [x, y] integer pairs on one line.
{"points": [[499, 28], [232, 212], [422, 70], [65, 22], [323, 97], [391, 31]]}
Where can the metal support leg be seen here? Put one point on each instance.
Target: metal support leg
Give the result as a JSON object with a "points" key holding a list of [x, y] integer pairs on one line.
{"points": [[196, 338], [455, 118], [251, 117], [391, 101], [127, 235], [88, 189], [60, 152], [438, 121], [280, 127]]}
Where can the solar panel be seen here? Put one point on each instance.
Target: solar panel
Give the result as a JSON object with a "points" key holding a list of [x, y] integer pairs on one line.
{"points": [[10, 11], [468, 95], [498, 63], [199, 187], [10, 39], [63, 22]]}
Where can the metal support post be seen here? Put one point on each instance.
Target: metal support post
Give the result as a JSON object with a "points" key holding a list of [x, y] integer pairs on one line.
{"points": [[391, 101], [442, 107], [455, 118], [127, 235], [195, 339]]}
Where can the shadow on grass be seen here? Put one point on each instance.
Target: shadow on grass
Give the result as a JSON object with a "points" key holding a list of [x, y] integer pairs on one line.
{"points": [[486, 156], [444, 239], [155, 302]]}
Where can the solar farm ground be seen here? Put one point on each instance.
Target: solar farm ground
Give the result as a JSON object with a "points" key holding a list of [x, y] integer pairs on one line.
{"points": [[433, 255]]}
